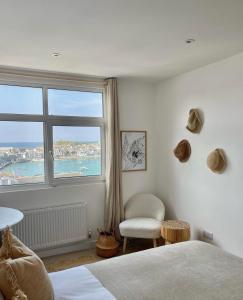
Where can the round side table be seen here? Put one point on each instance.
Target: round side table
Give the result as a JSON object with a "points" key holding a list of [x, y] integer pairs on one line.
{"points": [[9, 217], [175, 231]]}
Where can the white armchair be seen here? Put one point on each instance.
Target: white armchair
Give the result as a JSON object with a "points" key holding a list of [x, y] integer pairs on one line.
{"points": [[143, 216]]}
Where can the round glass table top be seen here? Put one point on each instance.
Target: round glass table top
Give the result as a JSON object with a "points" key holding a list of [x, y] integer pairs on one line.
{"points": [[9, 217]]}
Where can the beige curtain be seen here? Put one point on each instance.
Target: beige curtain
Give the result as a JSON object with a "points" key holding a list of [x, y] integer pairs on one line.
{"points": [[114, 210]]}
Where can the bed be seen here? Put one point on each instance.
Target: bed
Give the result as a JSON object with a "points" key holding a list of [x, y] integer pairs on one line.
{"points": [[185, 271]]}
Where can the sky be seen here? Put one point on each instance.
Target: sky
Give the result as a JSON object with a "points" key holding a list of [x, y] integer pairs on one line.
{"points": [[26, 100]]}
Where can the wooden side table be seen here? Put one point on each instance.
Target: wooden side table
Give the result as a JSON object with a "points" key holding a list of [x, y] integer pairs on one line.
{"points": [[175, 231]]}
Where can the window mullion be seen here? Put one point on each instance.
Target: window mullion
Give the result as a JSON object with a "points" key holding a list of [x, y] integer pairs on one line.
{"points": [[47, 141], [50, 153], [21, 118], [76, 121]]}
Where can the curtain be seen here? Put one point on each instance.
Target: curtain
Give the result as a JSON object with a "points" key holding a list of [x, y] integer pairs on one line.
{"points": [[114, 210]]}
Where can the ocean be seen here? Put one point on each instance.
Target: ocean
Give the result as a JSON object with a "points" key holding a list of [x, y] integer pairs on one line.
{"points": [[29, 145], [85, 167]]}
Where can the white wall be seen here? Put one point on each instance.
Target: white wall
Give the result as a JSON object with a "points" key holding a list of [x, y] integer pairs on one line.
{"points": [[136, 104], [93, 194], [136, 112], [189, 190]]}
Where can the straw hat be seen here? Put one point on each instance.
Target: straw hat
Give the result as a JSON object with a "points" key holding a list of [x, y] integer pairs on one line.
{"points": [[216, 161], [183, 151], [194, 123]]}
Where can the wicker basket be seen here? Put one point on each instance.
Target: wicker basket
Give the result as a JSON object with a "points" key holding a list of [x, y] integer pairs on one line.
{"points": [[106, 245]]}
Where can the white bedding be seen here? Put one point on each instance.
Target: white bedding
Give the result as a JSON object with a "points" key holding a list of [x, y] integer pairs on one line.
{"points": [[185, 271], [78, 284]]}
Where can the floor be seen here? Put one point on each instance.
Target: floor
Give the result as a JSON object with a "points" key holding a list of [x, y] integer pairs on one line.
{"points": [[74, 259]]}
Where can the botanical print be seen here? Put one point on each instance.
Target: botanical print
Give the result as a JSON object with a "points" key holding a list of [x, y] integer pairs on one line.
{"points": [[133, 150]]}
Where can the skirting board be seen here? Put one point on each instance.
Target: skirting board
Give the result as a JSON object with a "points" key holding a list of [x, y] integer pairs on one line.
{"points": [[82, 245]]}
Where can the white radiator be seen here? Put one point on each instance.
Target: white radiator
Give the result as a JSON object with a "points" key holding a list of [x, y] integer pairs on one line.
{"points": [[53, 226]]}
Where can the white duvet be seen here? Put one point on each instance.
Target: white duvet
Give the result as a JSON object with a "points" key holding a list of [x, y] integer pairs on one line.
{"points": [[185, 271], [78, 284]]}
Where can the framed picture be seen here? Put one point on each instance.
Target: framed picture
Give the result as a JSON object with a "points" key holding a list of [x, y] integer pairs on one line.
{"points": [[134, 150]]}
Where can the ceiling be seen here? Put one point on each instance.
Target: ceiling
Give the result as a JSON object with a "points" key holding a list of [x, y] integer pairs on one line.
{"points": [[123, 38]]}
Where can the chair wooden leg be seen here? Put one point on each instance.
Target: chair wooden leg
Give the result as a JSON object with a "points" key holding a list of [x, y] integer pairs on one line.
{"points": [[124, 245], [155, 243]]}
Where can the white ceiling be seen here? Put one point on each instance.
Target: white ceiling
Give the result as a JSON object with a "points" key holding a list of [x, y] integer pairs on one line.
{"points": [[137, 38]]}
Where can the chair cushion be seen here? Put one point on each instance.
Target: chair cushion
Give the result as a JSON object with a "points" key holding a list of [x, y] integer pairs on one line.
{"points": [[146, 228]]}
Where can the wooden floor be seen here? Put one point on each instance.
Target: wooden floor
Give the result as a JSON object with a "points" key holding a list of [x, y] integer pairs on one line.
{"points": [[74, 259]]}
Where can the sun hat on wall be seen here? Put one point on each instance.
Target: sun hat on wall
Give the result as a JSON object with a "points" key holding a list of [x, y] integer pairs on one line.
{"points": [[183, 151], [194, 123], [216, 161]]}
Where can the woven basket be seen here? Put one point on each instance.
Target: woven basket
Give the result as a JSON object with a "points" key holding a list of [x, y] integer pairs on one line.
{"points": [[106, 245]]}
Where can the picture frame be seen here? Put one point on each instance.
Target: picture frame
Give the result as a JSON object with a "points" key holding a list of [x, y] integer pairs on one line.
{"points": [[133, 150]]}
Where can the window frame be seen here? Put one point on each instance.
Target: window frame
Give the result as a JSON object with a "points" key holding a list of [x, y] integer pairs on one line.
{"points": [[49, 121]]}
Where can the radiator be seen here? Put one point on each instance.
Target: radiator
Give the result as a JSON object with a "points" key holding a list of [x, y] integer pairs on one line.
{"points": [[53, 226]]}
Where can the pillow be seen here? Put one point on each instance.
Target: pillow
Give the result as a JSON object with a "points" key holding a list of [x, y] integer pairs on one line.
{"points": [[12, 247], [22, 273], [1, 296]]}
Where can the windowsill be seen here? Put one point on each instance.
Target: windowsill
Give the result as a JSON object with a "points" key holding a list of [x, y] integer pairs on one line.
{"points": [[61, 182]]}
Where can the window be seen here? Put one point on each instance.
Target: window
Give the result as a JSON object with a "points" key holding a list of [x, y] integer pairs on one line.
{"points": [[20, 100], [77, 151], [21, 152], [50, 136], [75, 103]]}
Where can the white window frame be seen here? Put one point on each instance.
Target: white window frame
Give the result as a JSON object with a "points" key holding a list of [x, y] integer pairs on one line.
{"points": [[71, 83]]}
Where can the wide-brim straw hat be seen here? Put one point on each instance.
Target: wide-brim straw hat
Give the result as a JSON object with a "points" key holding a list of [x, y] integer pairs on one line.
{"points": [[183, 151], [194, 123], [216, 161]]}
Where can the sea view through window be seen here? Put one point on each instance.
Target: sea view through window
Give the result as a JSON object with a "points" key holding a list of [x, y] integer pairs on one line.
{"points": [[35, 148], [23, 162], [21, 153]]}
